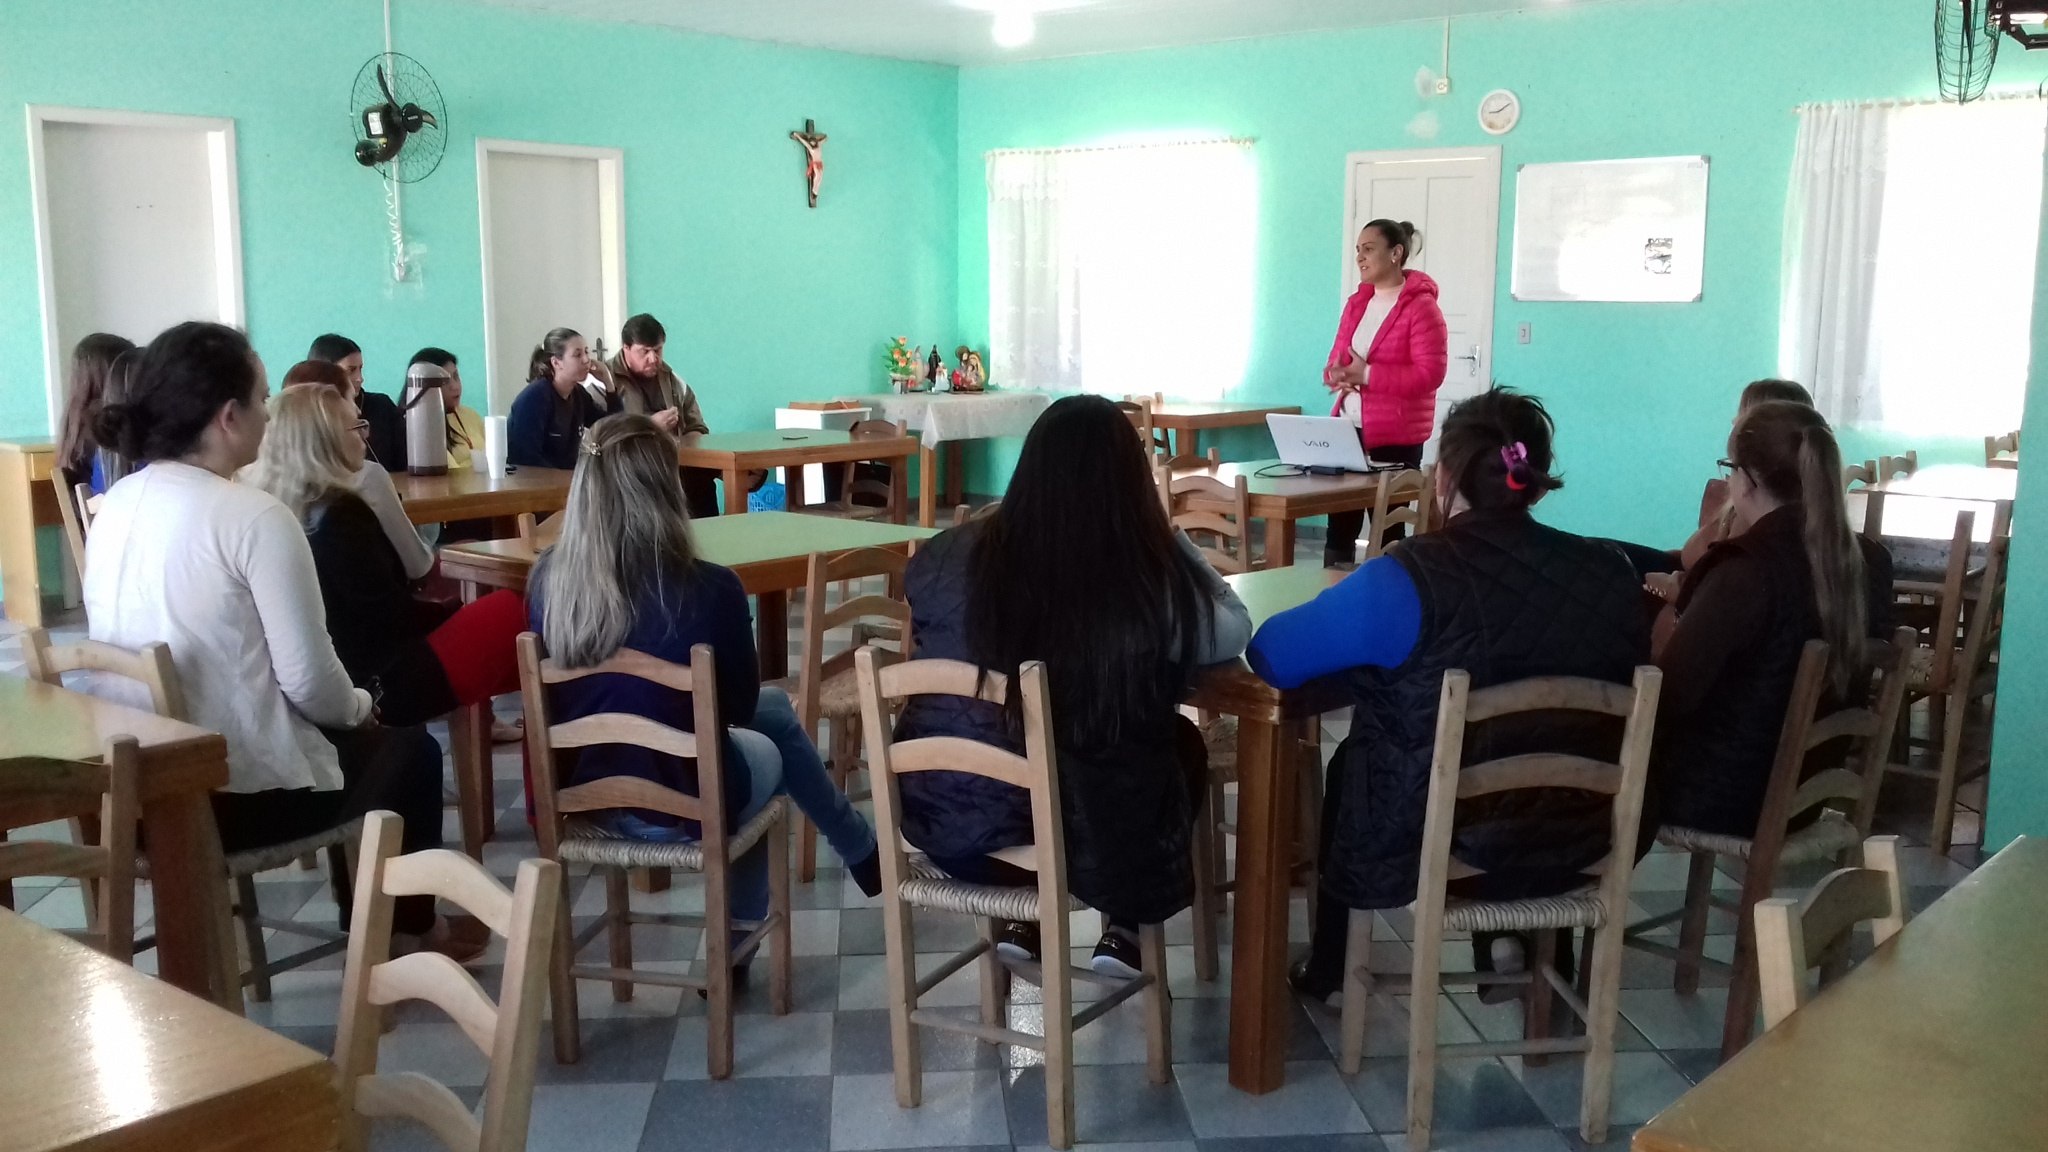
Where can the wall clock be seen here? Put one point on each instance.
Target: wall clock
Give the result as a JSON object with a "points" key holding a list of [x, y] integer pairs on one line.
{"points": [[1499, 111]]}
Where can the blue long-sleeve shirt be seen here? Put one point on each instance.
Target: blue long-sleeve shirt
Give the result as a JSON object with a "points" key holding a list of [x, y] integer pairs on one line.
{"points": [[1373, 617], [544, 429]]}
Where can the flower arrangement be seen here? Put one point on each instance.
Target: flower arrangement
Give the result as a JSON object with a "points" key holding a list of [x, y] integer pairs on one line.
{"points": [[900, 361]]}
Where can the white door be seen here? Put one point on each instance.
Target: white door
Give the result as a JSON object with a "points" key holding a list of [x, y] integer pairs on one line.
{"points": [[553, 252], [136, 227], [1452, 196]]}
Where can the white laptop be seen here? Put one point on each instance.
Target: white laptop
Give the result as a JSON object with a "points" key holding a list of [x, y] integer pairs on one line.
{"points": [[1318, 443]]}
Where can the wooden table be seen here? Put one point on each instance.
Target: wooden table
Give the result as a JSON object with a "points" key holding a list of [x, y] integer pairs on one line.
{"points": [[99, 1056], [1187, 422], [181, 767], [734, 454], [1282, 500], [1954, 482], [769, 551], [27, 501], [466, 494], [1266, 808], [1937, 1042]]}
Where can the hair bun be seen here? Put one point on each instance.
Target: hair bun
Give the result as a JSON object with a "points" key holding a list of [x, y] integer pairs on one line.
{"points": [[113, 425]]}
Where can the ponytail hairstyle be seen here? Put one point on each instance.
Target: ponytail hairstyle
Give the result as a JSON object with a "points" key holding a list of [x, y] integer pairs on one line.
{"points": [[1762, 390], [90, 362], [542, 365], [176, 388], [1788, 450], [626, 531], [1399, 233], [1496, 447]]}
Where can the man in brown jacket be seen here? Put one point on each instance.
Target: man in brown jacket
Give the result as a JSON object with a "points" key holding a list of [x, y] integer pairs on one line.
{"points": [[644, 384]]}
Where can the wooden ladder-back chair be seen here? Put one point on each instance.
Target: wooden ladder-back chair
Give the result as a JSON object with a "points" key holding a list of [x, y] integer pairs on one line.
{"points": [[539, 531], [1406, 497], [1793, 936], [1837, 804], [965, 512], [1159, 440], [1211, 460], [1898, 467], [75, 508], [848, 508], [2002, 451], [1217, 516], [507, 1032], [823, 688], [1139, 410], [1601, 907], [151, 667], [107, 788], [1865, 474], [912, 882], [1958, 668], [569, 840]]}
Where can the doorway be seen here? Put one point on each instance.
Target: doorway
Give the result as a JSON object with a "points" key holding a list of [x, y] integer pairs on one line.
{"points": [[1452, 196], [554, 251]]}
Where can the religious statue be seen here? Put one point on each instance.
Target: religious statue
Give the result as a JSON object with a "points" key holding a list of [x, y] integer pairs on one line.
{"points": [[813, 142], [970, 376]]}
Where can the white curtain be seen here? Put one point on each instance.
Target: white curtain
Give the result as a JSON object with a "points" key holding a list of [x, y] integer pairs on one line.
{"points": [[1833, 219], [1122, 270]]}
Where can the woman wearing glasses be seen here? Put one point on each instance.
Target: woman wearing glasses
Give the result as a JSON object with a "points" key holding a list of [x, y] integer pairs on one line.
{"points": [[367, 478]]}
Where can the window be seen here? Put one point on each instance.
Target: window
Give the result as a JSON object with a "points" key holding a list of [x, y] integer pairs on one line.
{"points": [[1121, 270], [1911, 239]]}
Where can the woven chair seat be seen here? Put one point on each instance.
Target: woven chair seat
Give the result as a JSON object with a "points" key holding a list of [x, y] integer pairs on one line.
{"points": [[1824, 838], [1581, 909], [1919, 669], [838, 696], [254, 860], [928, 887], [1220, 738], [586, 843]]}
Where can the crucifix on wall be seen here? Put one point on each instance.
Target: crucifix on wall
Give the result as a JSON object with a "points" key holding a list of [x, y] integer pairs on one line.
{"points": [[814, 156]]}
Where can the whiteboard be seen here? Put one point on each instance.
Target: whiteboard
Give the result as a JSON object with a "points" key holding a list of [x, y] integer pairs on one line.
{"points": [[1625, 230]]}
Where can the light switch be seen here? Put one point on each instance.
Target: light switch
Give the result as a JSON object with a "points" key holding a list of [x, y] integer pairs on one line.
{"points": [[1522, 333]]}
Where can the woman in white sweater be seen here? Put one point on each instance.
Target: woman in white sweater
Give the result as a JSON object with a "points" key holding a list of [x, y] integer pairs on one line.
{"points": [[221, 573]]}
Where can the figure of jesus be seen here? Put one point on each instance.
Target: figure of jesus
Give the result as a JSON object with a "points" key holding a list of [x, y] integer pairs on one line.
{"points": [[813, 142]]}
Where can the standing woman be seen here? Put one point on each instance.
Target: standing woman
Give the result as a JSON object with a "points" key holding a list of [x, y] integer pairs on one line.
{"points": [[1387, 364], [91, 363], [548, 417]]}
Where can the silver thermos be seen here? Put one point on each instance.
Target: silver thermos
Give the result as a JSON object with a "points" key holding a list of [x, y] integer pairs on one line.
{"points": [[426, 420]]}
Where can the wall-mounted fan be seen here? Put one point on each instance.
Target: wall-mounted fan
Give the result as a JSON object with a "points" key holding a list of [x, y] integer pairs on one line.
{"points": [[401, 124], [1965, 48]]}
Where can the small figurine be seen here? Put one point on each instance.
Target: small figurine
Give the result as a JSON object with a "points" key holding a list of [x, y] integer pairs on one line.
{"points": [[970, 376]]}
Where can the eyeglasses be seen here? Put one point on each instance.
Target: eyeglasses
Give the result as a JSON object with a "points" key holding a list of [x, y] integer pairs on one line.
{"points": [[361, 428], [1728, 468]]}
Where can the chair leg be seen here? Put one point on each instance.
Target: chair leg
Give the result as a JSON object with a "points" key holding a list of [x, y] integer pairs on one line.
{"points": [[562, 986], [806, 848], [899, 946], [1602, 1005], [1950, 769], [618, 929], [1357, 987], [1207, 959], [1058, 993], [718, 990], [779, 947], [992, 976], [1742, 982], [1424, 982], [1539, 997], [1158, 1005], [1692, 929], [246, 912]]}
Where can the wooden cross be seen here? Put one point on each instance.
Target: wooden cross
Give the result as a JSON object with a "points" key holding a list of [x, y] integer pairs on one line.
{"points": [[814, 155]]}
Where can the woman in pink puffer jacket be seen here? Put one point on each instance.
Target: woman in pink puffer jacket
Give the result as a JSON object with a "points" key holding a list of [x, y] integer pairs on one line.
{"points": [[1387, 364]]}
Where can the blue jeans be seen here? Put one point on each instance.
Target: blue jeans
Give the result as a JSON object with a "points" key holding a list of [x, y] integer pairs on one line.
{"points": [[780, 760]]}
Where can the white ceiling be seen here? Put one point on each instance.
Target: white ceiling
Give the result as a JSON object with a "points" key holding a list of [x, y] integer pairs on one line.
{"points": [[958, 31]]}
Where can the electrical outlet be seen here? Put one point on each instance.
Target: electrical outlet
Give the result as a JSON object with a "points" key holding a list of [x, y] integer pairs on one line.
{"points": [[1443, 85], [1522, 333]]}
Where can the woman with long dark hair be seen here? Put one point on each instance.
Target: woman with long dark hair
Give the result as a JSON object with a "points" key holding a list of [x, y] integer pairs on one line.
{"points": [[1790, 571], [1081, 569], [1503, 597], [77, 448], [548, 416]]}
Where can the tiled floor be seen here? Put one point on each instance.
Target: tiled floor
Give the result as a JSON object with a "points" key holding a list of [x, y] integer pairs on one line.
{"points": [[819, 1079]]}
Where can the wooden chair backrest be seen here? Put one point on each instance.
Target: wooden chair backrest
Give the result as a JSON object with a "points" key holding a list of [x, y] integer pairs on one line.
{"points": [[1212, 460], [1868, 725], [1864, 474], [545, 737], [1944, 636], [1894, 467], [853, 485], [112, 783], [1451, 780], [1207, 509], [1404, 497], [965, 512], [507, 1031], [2002, 451], [1036, 771], [1985, 627], [1792, 935], [1139, 410], [537, 531], [858, 613], [150, 667], [71, 507]]}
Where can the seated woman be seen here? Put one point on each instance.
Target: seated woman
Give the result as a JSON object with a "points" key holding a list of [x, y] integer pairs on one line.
{"points": [[1503, 597], [1791, 571], [417, 661], [1078, 568], [108, 465], [369, 480], [547, 421], [77, 450], [386, 423], [221, 573], [625, 574], [465, 427]]}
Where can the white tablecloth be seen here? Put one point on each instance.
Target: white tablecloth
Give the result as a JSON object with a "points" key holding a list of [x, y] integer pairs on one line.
{"points": [[942, 416]]}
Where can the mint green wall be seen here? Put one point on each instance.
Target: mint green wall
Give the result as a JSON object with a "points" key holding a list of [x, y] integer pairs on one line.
{"points": [[764, 298], [1638, 390]]}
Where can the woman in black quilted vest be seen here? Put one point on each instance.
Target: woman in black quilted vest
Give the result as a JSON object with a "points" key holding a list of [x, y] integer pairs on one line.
{"points": [[1790, 571], [1503, 597]]}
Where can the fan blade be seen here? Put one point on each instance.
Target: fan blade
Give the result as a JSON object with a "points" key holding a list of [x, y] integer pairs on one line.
{"points": [[386, 86], [416, 117]]}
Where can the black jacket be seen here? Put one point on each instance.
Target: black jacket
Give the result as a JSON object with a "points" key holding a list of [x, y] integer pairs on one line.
{"points": [[1504, 598], [1127, 812], [387, 430], [379, 629], [1745, 612]]}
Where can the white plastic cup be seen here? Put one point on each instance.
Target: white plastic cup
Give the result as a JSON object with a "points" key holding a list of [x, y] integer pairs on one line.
{"points": [[493, 459]]}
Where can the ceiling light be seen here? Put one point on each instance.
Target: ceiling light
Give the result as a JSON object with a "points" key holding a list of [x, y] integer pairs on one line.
{"points": [[1014, 27]]}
